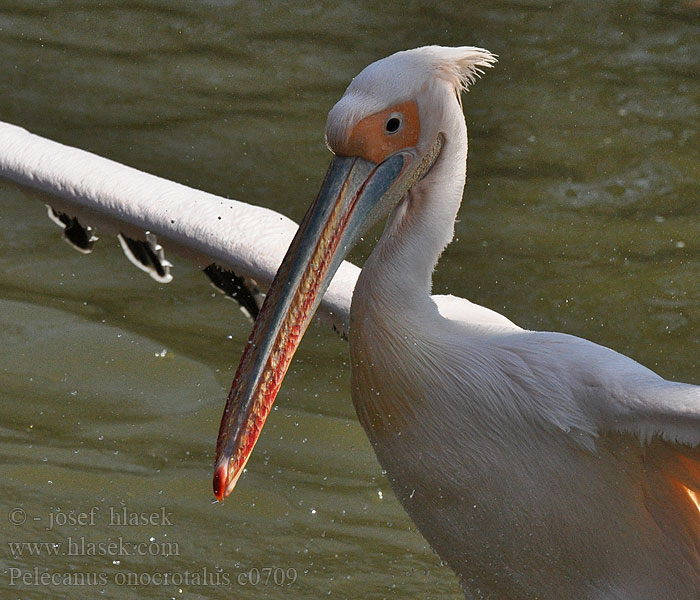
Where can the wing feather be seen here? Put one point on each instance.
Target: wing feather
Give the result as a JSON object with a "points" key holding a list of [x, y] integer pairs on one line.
{"points": [[105, 195]]}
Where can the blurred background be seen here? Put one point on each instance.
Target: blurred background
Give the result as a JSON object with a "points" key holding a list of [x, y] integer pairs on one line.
{"points": [[581, 214]]}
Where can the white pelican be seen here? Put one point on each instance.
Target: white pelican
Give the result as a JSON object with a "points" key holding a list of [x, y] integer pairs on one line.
{"points": [[537, 465], [550, 467]]}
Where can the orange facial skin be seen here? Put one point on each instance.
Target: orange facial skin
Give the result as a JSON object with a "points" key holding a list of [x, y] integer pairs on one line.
{"points": [[370, 139]]}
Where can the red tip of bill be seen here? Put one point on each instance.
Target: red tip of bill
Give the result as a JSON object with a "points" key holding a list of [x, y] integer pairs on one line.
{"points": [[220, 481]]}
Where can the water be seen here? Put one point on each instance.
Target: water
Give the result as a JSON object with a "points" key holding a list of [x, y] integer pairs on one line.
{"points": [[581, 215]]}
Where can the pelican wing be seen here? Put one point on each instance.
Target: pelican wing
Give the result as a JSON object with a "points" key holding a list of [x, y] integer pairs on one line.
{"points": [[665, 417], [614, 407], [665, 408], [580, 386], [239, 246], [617, 393], [626, 397]]}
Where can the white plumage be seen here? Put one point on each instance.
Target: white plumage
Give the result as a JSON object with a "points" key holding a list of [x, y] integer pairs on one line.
{"points": [[538, 465], [116, 199]]}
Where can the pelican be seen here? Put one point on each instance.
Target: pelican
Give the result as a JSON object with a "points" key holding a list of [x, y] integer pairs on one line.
{"points": [[536, 464]]}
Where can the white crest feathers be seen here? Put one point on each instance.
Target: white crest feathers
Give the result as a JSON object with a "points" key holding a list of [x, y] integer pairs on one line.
{"points": [[464, 65]]}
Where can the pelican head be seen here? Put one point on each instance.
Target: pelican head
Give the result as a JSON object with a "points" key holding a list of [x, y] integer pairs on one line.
{"points": [[388, 133]]}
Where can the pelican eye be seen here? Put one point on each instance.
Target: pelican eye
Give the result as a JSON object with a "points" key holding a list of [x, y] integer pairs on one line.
{"points": [[393, 124]]}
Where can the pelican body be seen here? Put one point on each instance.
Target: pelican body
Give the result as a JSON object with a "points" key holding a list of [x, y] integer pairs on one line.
{"points": [[536, 464]]}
